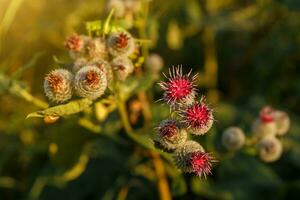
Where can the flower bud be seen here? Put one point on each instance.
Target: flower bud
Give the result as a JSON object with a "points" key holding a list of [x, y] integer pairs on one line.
{"points": [[76, 45], [58, 85], [154, 63], [120, 44], [181, 157], [170, 134], [122, 67], [282, 121], [269, 149], [198, 117], [90, 82], [179, 89], [261, 129], [104, 66], [233, 138], [95, 48], [191, 157]]}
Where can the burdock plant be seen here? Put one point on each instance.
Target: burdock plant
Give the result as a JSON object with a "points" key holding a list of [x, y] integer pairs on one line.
{"points": [[189, 116]]}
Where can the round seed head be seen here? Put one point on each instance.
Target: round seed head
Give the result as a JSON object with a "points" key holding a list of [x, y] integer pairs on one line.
{"points": [[90, 82], [191, 157], [233, 138], [198, 117], [95, 48], [74, 43], [261, 129], [104, 66], [266, 114], [182, 155], [282, 121], [58, 85], [120, 44], [179, 89], [170, 134], [122, 67], [154, 63], [269, 149]]}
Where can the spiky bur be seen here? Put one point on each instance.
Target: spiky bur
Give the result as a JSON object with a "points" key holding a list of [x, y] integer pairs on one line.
{"points": [[269, 149], [282, 122], [179, 89], [233, 138], [120, 44], [76, 45], [170, 134], [95, 48], [102, 64], [198, 117], [191, 157], [81, 46], [122, 67], [58, 85], [74, 42], [90, 82]]}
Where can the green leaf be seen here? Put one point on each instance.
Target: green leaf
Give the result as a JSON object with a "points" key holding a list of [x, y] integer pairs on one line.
{"points": [[64, 109], [106, 26]]}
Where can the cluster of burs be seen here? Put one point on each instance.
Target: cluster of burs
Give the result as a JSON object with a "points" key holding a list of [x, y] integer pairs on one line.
{"points": [[97, 62], [187, 116], [266, 132]]}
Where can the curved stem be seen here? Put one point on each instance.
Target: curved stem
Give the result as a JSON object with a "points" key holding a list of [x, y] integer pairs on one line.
{"points": [[163, 185]]}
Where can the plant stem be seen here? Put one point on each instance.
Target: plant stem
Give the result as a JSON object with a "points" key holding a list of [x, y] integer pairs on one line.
{"points": [[24, 94], [163, 186]]}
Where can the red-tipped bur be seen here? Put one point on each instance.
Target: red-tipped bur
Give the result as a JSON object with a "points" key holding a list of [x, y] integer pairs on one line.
{"points": [[201, 163], [179, 89], [266, 114], [198, 117], [265, 124], [170, 134], [191, 157]]}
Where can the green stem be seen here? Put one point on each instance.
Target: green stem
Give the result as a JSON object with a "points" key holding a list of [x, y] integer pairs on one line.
{"points": [[24, 94]]}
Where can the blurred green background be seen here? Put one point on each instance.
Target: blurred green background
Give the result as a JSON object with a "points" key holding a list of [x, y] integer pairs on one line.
{"points": [[247, 54]]}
